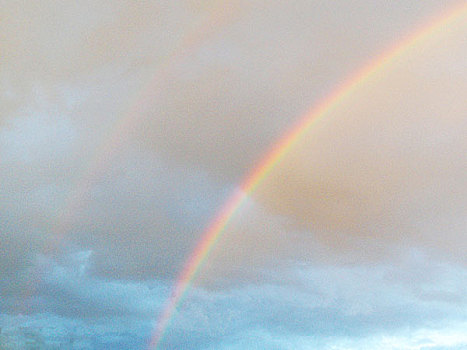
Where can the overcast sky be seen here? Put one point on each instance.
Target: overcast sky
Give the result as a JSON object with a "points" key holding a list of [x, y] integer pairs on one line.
{"points": [[125, 126]]}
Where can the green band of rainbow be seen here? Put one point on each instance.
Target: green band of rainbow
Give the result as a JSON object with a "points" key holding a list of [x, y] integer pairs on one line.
{"points": [[279, 150]]}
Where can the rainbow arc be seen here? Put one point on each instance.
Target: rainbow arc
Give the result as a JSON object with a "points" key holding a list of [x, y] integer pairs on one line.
{"points": [[216, 228]]}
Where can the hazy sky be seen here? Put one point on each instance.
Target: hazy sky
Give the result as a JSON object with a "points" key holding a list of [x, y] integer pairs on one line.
{"points": [[124, 127]]}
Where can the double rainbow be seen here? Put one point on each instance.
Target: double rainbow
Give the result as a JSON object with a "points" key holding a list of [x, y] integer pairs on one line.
{"points": [[215, 229]]}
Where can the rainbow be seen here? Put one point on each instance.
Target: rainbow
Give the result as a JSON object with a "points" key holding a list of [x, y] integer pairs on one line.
{"points": [[221, 15], [215, 229]]}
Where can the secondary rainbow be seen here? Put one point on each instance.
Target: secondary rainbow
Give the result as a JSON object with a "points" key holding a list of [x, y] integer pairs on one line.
{"points": [[215, 229], [221, 14]]}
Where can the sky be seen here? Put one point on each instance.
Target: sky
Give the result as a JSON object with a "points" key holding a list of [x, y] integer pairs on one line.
{"points": [[125, 126]]}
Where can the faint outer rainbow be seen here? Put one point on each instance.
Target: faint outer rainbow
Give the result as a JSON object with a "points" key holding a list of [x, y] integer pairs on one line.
{"points": [[215, 229], [221, 14]]}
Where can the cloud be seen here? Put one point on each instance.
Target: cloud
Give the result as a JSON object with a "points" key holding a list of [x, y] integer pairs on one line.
{"points": [[238, 92], [351, 307], [326, 306], [102, 217], [138, 215], [383, 167], [47, 331], [270, 61]]}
